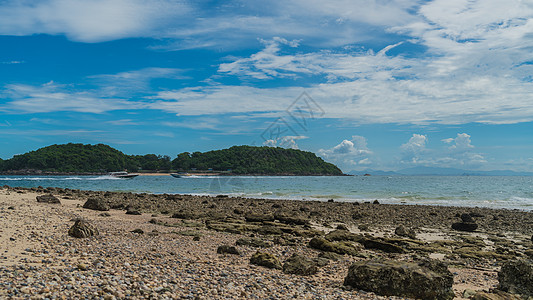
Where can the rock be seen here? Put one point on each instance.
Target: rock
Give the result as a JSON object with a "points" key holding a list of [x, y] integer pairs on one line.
{"points": [[330, 256], [464, 226], [495, 295], [291, 220], [265, 260], [375, 202], [336, 247], [253, 242], [516, 277], [82, 229], [96, 204], [49, 198], [105, 214], [404, 231], [468, 293], [133, 212], [83, 267], [259, 217], [342, 227], [138, 231], [300, 265], [467, 218], [343, 235], [227, 249], [424, 280], [382, 245]]}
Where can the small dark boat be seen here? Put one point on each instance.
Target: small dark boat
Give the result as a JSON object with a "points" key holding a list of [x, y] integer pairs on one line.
{"points": [[122, 174], [180, 175]]}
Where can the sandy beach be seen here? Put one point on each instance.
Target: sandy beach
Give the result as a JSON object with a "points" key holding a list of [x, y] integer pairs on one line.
{"points": [[173, 252]]}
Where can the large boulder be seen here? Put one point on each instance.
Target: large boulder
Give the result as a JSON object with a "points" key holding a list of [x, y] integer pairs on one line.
{"points": [[425, 280], [96, 204], [517, 277], [82, 229], [49, 198], [300, 265], [265, 260]]}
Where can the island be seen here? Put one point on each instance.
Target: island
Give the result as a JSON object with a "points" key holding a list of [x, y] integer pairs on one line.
{"points": [[74, 158]]}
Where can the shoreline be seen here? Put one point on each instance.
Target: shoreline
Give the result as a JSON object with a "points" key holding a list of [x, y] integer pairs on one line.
{"points": [[176, 256]]}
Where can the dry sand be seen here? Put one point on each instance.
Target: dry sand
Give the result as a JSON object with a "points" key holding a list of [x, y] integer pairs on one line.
{"points": [[39, 260]]}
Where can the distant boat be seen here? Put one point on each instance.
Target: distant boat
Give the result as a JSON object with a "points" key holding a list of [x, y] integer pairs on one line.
{"points": [[122, 174], [180, 175]]}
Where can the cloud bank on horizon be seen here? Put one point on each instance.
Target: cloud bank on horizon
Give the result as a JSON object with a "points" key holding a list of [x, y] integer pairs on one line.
{"points": [[218, 72]]}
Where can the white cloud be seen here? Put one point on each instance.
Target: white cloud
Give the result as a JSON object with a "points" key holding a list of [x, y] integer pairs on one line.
{"points": [[413, 150], [52, 97], [461, 152], [89, 20], [349, 153], [284, 142]]}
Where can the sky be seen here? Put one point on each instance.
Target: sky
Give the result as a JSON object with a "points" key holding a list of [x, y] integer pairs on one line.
{"points": [[365, 84]]}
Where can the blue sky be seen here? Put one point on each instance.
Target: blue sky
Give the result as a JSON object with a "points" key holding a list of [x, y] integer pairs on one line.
{"points": [[364, 84]]}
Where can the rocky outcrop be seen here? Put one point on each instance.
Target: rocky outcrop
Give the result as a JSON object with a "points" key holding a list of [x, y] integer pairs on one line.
{"points": [[517, 277], [82, 229], [265, 260], [300, 265], [96, 204], [49, 198], [494, 295], [425, 280], [467, 224]]}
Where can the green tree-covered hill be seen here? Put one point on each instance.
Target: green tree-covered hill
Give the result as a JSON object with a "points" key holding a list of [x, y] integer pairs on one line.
{"points": [[256, 160], [80, 158]]}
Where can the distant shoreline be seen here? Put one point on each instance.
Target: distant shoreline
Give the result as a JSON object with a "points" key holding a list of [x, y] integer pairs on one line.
{"points": [[29, 173]]}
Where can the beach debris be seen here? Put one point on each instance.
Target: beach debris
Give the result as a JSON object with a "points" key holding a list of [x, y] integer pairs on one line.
{"points": [[48, 198], [96, 204], [516, 277], [300, 265], [228, 249], [404, 231], [265, 260], [427, 279], [468, 224], [82, 229]]}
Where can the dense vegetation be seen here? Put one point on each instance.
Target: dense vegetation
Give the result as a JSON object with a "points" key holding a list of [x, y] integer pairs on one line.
{"points": [[256, 160], [79, 158]]}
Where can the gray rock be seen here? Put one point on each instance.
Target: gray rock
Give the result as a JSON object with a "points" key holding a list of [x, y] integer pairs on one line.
{"points": [[300, 265], [96, 204], [49, 198], [82, 229], [265, 260], [424, 280], [517, 277]]}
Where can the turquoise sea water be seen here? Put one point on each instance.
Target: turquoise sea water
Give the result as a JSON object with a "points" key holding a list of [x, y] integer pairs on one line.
{"points": [[512, 192]]}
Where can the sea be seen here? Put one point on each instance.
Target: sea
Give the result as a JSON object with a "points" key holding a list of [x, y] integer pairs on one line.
{"points": [[510, 192]]}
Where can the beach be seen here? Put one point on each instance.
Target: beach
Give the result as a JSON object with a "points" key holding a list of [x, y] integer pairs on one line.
{"points": [[172, 253]]}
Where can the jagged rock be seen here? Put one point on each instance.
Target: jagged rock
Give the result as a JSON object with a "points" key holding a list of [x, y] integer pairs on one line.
{"points": [[227, 249], [336, 247], [404, 231], [424, 280], [517, 277], [49, 198], [265, 260], [96, 204], [300, 265], [82, 229]]}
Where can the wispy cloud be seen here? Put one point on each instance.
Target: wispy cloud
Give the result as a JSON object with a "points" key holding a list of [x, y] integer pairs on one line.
{"points": [[349, 154]]}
